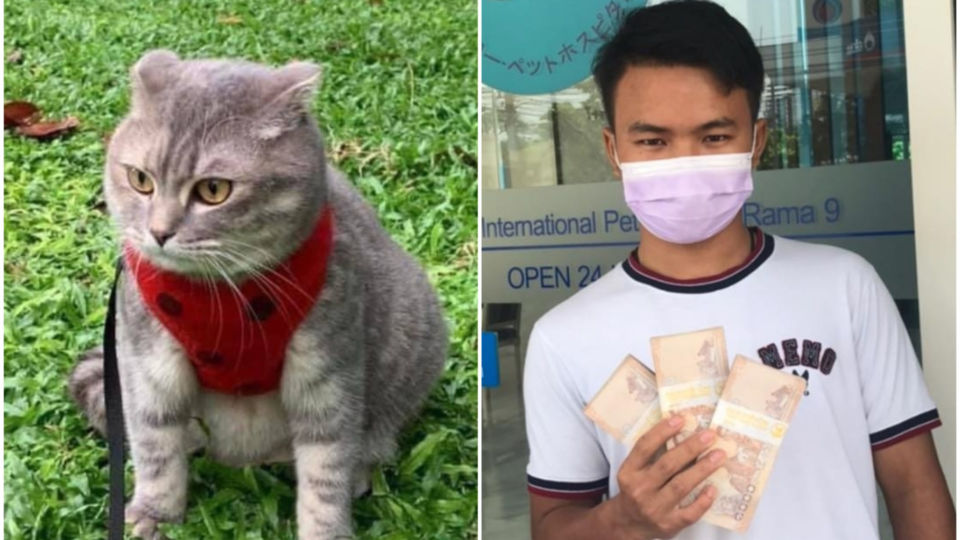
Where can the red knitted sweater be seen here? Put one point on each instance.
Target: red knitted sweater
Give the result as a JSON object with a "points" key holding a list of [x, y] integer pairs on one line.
{"points": [[238, 347]]}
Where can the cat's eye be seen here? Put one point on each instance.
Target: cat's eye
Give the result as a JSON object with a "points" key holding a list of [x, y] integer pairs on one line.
{"points": [[139, 180], [213, 190]]}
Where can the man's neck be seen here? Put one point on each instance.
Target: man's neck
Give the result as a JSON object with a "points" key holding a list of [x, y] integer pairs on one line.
{"points": [[725, 250]]}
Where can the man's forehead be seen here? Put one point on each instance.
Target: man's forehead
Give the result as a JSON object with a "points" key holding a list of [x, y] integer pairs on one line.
{"points": [[676, 96], [656, 77]]}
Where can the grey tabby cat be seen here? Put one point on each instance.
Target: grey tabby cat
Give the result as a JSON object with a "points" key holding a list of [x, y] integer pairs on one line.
{"points": [[218, 173]]}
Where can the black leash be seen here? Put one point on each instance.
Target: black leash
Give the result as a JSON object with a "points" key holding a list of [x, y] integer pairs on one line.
{"points": [[114, 404]]}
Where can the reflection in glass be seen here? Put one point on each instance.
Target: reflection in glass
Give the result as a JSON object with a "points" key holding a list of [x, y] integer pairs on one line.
{"points": [[835, 93]]}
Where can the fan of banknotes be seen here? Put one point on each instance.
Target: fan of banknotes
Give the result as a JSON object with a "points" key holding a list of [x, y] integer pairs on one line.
{"points": [[749, 406]]}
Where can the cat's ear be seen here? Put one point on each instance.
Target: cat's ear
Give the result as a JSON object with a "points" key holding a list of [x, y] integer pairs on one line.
{"points": [[295, 86], [150, 75], [299, 81]]}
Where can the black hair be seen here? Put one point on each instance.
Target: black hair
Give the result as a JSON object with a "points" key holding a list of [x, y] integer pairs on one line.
{"points": [[694, 33]]}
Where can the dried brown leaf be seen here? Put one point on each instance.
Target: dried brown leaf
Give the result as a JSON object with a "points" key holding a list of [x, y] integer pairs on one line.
{"points": [[229, 19], [48, 130], [15, 57], [19, 113]]}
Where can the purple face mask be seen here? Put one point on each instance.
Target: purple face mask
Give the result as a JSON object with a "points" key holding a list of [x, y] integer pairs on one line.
{"points": [[688, 199]]}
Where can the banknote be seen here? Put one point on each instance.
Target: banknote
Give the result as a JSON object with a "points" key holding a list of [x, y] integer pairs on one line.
{"points": [[626, 406], [691, 369], [751, 419]]}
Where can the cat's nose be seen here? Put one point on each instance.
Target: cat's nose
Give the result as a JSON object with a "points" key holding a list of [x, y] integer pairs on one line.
{"points": [[161, 236]]}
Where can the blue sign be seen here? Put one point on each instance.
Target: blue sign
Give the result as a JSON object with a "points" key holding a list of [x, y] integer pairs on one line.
{"points": [[539, 46], [489, 360]]}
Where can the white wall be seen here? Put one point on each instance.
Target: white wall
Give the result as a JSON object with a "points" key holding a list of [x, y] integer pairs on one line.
{"points": [[931, 92]]}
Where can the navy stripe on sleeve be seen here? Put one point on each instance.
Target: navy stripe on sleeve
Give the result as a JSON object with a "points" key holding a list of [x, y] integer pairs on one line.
{"points": [[567, 490], [904, 430]]}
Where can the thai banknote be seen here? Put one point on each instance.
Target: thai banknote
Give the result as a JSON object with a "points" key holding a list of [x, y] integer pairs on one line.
{"points": [[751, 419], [626, 406], [691, 369]]}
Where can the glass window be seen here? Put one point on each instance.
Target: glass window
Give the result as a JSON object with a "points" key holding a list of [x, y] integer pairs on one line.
{"points": [[835, 93]]}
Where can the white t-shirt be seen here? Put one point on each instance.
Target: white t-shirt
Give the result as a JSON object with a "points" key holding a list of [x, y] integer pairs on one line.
{"points": [[818, 311]]}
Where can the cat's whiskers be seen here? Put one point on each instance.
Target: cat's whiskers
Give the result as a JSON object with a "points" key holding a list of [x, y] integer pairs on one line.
{"points": [[203, 244], [138, 257], [246, 305], [211, 285], [212, 272], [214, 248], [239, 300], [257, 268], [252, 268], [269, 264], [264, 281], [235, 294]]}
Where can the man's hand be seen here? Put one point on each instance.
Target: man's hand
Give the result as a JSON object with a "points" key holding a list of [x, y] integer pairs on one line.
{"points": [[648, 505]]}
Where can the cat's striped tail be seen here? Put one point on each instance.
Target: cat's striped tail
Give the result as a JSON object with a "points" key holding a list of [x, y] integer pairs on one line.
{"points": [[86, 388]]}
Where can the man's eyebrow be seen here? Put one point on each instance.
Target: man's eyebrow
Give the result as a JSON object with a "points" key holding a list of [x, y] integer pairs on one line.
{"points": [[721, 122], [642, 127]]}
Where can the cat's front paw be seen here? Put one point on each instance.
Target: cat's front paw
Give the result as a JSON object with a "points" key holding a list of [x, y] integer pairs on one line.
{"points": [[145, 517]]}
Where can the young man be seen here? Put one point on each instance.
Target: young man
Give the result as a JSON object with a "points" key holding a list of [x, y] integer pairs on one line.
{"points": [[681, 85]]}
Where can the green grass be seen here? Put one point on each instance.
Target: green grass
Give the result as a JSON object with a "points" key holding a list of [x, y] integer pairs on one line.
{"points": [[398, 106]]}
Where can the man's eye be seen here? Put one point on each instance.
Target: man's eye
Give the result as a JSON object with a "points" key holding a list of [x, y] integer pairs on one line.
{"points": [[652, 142], [716, 138]]}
